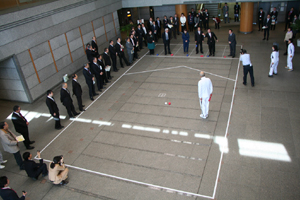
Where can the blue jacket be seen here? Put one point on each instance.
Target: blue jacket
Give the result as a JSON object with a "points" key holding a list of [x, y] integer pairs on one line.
{"points": [[186, 37]]}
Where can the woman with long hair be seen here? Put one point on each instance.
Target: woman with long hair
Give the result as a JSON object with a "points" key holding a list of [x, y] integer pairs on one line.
{"points": [[58, 172], [274, 61]]}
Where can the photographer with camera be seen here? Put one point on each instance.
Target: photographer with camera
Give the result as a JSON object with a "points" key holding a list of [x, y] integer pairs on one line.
{"points": [[58, 172], [248, 67]]}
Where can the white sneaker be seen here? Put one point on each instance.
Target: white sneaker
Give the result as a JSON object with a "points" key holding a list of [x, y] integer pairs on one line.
{"points": [[2, 166], [202, 116], [4, 161]]}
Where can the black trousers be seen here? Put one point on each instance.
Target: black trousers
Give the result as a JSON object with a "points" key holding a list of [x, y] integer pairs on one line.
{"points": [[200, 24], [248, 68], [26, 137], [91, 89], [205, 24], [273, 27], [41, 170], [173, 31], [151, 51], [100, 81], [114, 62], [141, 42], [266, 31], [79, 101], [19, 160], [71, 110], [236, 19], [211, 47], [57, 120], [197, 47], [135, 54], [155, 37], [122, 57], [176, 28], [167, 44], [232, 49], [217, 25], [191, 27], [183, 28], [260, 23]]}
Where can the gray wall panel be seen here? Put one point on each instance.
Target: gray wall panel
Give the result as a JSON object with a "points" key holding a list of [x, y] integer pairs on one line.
{"points": [[24, 58], [40, 50], [63, 62], [78, 53], [99, 31], [73, 34], [61, 52], [47, 71], [32, 81], [43, 61], [75, 44], [58, 41], [13, 95], [28, 69]]}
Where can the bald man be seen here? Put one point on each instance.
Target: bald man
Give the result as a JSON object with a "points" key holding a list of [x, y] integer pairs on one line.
{"points": [[205, 89], [67, 101]]}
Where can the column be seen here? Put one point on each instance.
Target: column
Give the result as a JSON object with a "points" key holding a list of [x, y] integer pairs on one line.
{"points": [[246, 20], [181, 9]]}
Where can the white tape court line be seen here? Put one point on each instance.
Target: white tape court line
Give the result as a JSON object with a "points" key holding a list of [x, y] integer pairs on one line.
{"points": [[153, 70], [224, 51], [209, 73], [226, 132], [93, 102]]}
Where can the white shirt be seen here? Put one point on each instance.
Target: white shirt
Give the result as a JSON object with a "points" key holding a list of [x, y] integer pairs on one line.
{"points": [[274, 56], [245, 58], [205, 87], [183, 19], [144, 28], [291, 49]]}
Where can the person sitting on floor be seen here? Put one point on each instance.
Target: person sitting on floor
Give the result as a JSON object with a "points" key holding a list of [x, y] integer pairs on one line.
{"points": [[58, 172], [33, 169]]}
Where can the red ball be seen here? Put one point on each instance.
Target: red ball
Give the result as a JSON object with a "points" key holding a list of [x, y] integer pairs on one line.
{"points": [[172, 54], [169, 103]]}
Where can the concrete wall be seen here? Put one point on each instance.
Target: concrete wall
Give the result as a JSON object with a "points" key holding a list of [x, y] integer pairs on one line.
{"points": [[161, 11], [34, 35]]}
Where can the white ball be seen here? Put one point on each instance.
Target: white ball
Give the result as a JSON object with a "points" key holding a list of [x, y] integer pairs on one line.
{"points": [[166, 103]]}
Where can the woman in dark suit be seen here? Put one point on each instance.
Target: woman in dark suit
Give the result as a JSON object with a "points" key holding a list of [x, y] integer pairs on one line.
{"points": [[186, 41], [151, 43]]}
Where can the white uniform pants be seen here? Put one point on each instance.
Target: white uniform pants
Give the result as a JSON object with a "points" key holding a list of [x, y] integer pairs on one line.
{"points": [[204, 105], [289, 62], [273, 68]]}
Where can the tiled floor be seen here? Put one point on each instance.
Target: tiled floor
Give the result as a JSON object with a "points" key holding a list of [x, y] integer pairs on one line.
{"points": [[130, 144]]}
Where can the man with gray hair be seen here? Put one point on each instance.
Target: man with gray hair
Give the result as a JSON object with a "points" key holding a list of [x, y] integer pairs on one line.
{"points": [[205, 89], [67, 101]]}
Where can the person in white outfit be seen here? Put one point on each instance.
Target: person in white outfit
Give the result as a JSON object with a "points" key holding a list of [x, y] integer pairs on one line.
{"points": [[205, 89], [291, 51], [183, 22], [274, 61]]}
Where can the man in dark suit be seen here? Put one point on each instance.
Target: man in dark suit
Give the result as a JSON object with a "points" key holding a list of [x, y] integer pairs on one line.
{"points": [[261, 16], [134, 44], [113, 55], [165, 22], [140, 35], [53, 109], [267, 25], [67, 101], [21, 126], [289, 18], [211, 41], [89, 79], [120, 50], [90, 53], [94, 45], [232, 43], [206, 19], [149, 24], [98, 74], [33, 169], [158, 24], [76, 87], [274, 15], [236, 9], [166, 39], [176, 24], [7, 193], [145, 35], [155, 31], [105, 76], [107, 63], [199, 38]]}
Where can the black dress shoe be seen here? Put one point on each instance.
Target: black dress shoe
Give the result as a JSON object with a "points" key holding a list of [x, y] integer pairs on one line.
{"points": [[209, 54], [270, 75], [59, 127], [83, 105], [213, 54], [233, 56], [264, 39], [96, 94], [92, 98], [104, 84], [76, 114], [31, 142], [108, 82], [122, 66], [82, 110], [111, 77], [165, 54], [170, 53], [29, 147], [197, 52], [244, 83], [202, 52], [100, 90], [229, 55]]}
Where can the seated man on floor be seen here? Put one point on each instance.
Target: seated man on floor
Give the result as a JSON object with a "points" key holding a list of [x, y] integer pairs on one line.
{"points": [[33, 169]]}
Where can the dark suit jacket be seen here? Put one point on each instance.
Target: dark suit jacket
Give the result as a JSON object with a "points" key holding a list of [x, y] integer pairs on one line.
{"points": [[88, 77], [149, 25], [31, 167], [52, 106], [289, 18], [112, 51], [211, 40], [101, 63], [274, 14], [154, 29], [176, 21], [19, 123], [95, 46], [156, 23], [164, 37], [90, 55], [262, 15], [232, 39], [96, 69], [65, 97], [10, 194], [268, 24], [118, 49], [135, 41], [205, 15], [106, 59], [139, 33], [76, 87], [199, 38], [165, 23], [237, 9]]}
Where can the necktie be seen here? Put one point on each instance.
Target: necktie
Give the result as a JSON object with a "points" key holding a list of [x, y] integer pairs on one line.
{"points": [[22, 116], [167, 38], [89, 71]]}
